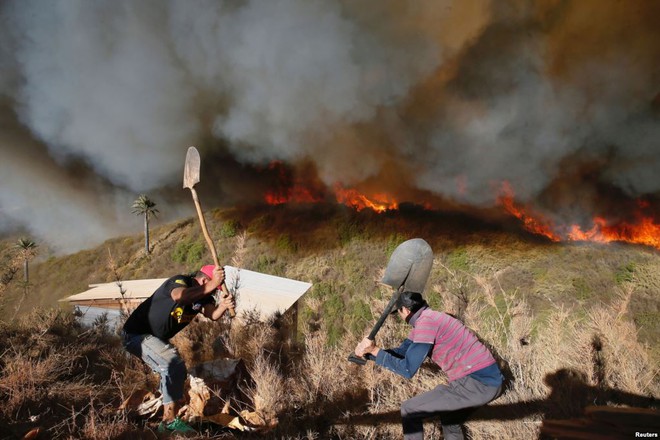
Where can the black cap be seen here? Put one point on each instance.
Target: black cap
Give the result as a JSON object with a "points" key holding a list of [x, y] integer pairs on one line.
{"points": [[413, 301]]}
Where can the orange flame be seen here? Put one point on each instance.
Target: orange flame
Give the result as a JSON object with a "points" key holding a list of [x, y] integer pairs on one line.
{"points": [[294, 189], [290, 189], [378, 202], [295, 194], [530, 222], [645, 231], [348, 196]]}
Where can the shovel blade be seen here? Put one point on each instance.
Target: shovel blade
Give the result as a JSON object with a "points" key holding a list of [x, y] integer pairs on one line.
{"points": [[191, 168], [409, 266]]}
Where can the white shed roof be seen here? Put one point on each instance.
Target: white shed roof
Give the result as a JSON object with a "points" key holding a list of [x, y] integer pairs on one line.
{"points": [[135, 290], [254, 291]]}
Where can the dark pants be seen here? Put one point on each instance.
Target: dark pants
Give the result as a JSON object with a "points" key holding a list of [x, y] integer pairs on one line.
{"points": [[451, 402]]}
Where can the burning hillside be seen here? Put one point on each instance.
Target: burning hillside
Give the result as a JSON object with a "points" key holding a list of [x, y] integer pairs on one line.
{"points": [[433, 103], [561, 316], [642, 229], [347, 196]]}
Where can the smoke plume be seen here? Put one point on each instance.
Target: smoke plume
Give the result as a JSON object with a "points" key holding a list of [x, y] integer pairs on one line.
{"points": [[449, 98]]}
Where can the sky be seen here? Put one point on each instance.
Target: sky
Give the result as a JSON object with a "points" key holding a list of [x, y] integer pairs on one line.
{"points": [[446, 100]]}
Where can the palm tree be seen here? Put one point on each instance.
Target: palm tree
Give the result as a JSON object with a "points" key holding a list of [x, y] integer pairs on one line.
{"points": [[27, 251], [143, 205]]}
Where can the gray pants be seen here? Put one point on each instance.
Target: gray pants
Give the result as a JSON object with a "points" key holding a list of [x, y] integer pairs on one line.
{"points": [[163, 359], [452, 402]]}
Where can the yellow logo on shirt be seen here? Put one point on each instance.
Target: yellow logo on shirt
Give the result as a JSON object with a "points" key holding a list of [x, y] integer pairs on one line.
{"points": [[180, 317], [180, 282], [177, 313]]}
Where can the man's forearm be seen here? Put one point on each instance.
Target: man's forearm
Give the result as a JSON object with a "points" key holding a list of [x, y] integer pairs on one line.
{"points": [[191, 294], [214, 312], [218, 312], [405, 366]]}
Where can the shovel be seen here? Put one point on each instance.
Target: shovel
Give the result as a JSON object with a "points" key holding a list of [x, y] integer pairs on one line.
{"points": [[408, 270], [190, 178]]}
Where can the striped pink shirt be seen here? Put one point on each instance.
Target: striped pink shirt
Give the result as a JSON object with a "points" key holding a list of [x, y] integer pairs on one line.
{"points": [[455, 348]]}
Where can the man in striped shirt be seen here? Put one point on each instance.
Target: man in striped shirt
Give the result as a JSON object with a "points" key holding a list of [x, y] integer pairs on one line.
{"points": [[474, 376]]}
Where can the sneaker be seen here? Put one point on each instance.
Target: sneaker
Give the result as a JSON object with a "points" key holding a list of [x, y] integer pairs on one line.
{"points": [[176, 425]]}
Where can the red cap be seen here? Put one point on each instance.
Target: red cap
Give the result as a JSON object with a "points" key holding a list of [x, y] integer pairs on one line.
{"points": [[208, 270]]}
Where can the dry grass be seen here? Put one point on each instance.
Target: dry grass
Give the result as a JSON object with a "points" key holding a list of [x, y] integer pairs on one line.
{"points": [[55, 375], [569, 363], [563, 321], [312, 389], [268, 389], [556, 364]]}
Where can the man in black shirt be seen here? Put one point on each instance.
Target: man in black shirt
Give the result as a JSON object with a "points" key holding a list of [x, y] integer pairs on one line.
{"points": [[161, 316]]}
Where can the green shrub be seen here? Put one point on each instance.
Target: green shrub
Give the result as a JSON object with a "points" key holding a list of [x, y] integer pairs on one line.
{"points": [[433, 299], [498, 317], [180, 252], [458, 259], [261, 223], [270, 265], [306, 314], [540, 321], [335, 333], [393, 241], [263, 262], [347, 231], [359, 316], [189, 253], [229, 229], [539, 273], [285, 244], [625, 273], [332, 310], [647, 318], [333, 306], [582, 289], [195, 253]]}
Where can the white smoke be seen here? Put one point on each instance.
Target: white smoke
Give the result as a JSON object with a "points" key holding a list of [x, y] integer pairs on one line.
{"points": [[453, 97], [100, 83], [37, 193]]}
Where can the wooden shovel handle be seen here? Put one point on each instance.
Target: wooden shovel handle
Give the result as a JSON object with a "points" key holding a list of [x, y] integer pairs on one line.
{"points": [[209, 242]]}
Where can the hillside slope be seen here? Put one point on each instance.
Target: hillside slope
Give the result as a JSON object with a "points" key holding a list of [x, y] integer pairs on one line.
{"points": [[342, 251], [571, 324]]}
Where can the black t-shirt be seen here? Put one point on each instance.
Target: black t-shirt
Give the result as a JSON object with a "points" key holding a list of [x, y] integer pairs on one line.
{"points": [[160, 315]]}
